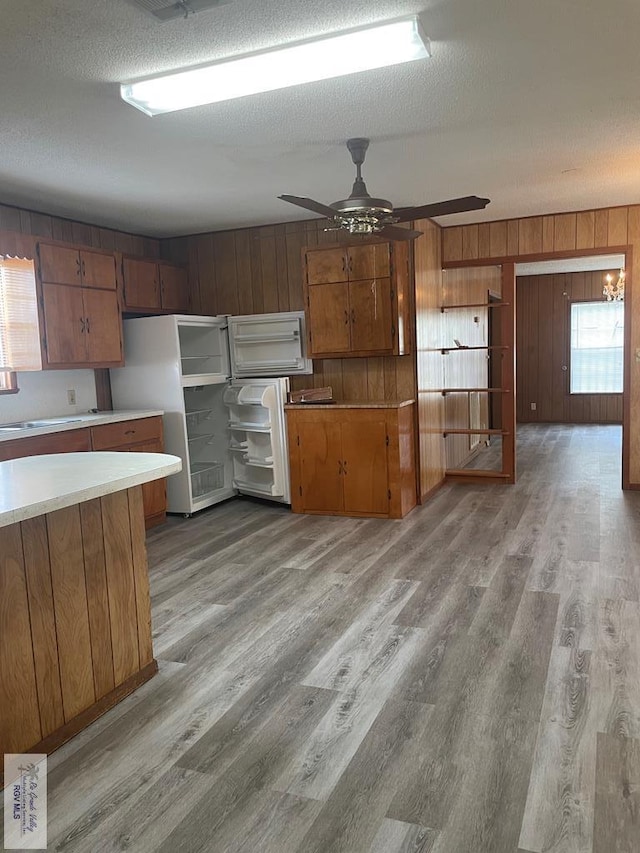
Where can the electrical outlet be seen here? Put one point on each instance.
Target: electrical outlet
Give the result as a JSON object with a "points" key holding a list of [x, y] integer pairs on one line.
{"points": [[534, 406], [71, 396]]}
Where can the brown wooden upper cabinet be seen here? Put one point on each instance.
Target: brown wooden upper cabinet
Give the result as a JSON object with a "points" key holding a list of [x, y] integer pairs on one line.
{"points": [[64, 265], [80, 308], [357, 299], [154, 286]]}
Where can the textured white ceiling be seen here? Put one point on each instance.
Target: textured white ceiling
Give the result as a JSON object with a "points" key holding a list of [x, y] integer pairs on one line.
{"points": [[533, 103]]}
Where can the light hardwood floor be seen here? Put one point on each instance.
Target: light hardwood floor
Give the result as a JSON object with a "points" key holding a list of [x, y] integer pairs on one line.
{"points": [[466, 680]]}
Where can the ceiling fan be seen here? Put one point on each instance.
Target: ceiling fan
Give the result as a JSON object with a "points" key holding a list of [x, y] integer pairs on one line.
{"points": [[362, 214]]}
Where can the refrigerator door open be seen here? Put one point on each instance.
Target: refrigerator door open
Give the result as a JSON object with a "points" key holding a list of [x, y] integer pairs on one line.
{"points": [[257, 437], [268, 345]]}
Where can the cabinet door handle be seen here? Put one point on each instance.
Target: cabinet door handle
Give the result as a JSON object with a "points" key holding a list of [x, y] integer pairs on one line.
{"points": [[346, 316], [78, 267], [88, 325], [353, 315], [340, 470], [84, 271], [130, 432], [344, 264], [82, 325], [344, 467], [350, 264]]}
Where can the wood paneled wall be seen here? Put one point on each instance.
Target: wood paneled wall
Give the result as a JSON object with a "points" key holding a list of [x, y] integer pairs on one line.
{"points": [[254, 270], [428, 294], [21, 229], [542, 335], [614, 228]]}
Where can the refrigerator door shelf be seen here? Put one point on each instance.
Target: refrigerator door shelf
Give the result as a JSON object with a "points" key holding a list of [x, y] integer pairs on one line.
{"points": [[248, 427]]}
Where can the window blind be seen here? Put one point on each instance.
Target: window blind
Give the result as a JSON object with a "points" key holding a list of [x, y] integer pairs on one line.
{"points": [[19, 330], [597, 347]]}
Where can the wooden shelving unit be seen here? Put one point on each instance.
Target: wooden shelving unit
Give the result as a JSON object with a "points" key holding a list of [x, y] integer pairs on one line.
{"points": [[499, 387]]}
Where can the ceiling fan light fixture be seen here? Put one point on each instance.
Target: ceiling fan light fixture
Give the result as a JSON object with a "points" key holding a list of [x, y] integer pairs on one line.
{"points": [[335, 55]]}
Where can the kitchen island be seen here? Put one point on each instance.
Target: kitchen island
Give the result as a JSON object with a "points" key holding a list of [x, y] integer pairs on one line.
{"points": [[75, 619]]}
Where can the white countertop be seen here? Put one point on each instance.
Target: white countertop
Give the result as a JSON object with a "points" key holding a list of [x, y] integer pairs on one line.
{"points": [[67, 422], [35, 485]]}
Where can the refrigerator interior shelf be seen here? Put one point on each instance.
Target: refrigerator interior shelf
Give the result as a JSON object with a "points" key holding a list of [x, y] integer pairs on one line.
{"points": [[253, 487], [277, 363], [196, 357], [265, 338], [197, 379], [258, 463], [207, 437], [246, 427]]}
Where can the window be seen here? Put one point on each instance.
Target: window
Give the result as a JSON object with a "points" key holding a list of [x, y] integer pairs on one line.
{"points": [[597, 347], [19, 335]]}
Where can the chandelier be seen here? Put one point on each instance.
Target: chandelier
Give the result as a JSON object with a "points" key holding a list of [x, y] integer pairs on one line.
{"points": [[614, 290]]}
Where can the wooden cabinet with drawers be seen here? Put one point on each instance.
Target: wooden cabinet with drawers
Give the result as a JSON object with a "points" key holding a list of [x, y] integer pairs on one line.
{"points": [[150, 285], [142, 436], [80, 308], [352, 460], [357, 299]]}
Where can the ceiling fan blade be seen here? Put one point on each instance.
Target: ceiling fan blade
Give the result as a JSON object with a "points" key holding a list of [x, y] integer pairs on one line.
{"points": [[395, 233], [442, 208], [310, 204]]}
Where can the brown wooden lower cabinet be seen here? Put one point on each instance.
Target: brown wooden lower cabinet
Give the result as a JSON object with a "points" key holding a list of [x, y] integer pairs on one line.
{"points": [[355, 460], [143, 435], [140, 436], [75, 619]]}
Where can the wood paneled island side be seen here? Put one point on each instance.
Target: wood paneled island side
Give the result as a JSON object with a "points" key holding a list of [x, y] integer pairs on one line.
{"points": [[75, 619]]}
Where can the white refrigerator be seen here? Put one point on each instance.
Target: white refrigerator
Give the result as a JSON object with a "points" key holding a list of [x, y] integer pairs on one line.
{"points": [[222, 384]]}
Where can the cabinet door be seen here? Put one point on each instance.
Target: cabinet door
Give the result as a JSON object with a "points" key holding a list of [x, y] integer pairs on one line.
{"points": [[174, 288], [64, 320], [326, 266], [364, 454], [154, 493], [103, 325], [329, 318], [58, 264], [141, 288], [98, 270], [320, 465], [371, 315], [370, 260]]}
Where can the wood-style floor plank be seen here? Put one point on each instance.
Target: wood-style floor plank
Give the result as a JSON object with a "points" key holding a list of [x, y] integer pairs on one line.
{"points": [[464, 680]]}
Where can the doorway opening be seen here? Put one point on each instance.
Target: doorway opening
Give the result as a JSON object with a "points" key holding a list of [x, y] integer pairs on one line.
{"points": [[570, 343]]}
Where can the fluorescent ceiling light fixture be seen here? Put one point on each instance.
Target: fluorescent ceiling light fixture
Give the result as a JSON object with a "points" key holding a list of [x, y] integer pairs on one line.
{"points": [[362, 49]]}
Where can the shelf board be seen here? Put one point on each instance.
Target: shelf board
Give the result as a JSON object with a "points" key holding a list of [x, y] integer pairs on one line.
{"points": [[446, 391], [485, 431], [445, 350], [444, 308]]}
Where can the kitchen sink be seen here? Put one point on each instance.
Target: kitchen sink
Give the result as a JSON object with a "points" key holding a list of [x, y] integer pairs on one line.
{"points": [[37, 423]]}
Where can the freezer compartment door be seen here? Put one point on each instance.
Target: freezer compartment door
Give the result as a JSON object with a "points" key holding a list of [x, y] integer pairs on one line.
{"points": [[203, 348], [257, 437], [268, 345]]}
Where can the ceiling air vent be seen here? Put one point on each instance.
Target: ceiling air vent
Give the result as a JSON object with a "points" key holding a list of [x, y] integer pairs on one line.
{"points": [[165, 10]]}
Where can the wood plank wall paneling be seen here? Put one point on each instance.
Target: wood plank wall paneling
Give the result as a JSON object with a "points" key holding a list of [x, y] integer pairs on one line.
{"points": [[19, 715], [20, 230], [255, 270], [605, 228], [428, 295], [542, 335]]}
